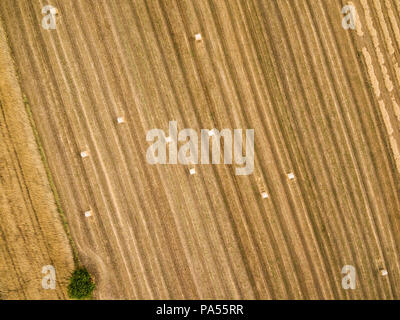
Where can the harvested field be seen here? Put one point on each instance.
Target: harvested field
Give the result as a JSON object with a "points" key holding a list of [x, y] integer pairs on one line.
{"points": [[324, 104], [31, 230]]}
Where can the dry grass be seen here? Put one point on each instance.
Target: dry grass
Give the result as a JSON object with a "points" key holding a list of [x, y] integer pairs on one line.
{"points": [[31, 233]]}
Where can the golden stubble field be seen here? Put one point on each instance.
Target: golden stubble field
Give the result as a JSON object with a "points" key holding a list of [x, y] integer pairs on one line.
{"points": [[323, 102]]}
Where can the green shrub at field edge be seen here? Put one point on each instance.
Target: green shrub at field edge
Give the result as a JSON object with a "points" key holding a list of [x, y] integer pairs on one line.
{"points": [[81, 285]]}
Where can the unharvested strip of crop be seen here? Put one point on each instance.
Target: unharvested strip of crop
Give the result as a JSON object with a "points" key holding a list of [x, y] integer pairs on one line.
{"points": [[31, 232], [325, 188]]}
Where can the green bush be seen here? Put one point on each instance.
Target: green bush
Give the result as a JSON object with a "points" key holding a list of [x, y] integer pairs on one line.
{"points": [[81, 285]]}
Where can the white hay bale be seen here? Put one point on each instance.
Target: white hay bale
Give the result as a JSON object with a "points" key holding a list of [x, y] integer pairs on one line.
{"points": [[88, 214], [264, 195], [120, 120], [84, 154], [291, 176], [168, 139], [384, 272], [198, 37], [192, 171], [211, 133]]}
